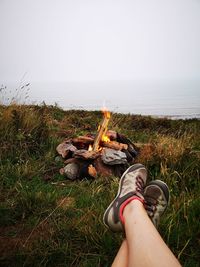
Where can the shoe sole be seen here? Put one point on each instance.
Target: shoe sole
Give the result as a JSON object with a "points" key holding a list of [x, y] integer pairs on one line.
{"points": [[131, 168]]}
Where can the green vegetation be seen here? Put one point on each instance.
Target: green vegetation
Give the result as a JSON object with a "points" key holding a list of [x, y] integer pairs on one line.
{"points": [[48, 221]]}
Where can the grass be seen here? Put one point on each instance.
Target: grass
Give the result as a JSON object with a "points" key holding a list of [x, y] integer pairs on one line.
{"points": [[48, 221]]}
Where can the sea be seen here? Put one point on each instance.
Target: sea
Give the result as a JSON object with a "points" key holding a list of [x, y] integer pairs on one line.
{"points": [[160, 99]]}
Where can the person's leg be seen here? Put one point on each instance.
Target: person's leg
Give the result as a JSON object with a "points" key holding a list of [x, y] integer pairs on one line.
{"points": [[139, 229], [131, 186], [145, 245], [156, 195], [121, 259], [111, 218]]}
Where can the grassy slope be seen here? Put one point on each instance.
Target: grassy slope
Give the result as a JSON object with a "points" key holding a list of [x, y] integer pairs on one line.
{"points": [[45, 221]]}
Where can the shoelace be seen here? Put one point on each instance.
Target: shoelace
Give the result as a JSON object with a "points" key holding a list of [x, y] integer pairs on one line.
{"points": [[150, 205], [139, 184]]}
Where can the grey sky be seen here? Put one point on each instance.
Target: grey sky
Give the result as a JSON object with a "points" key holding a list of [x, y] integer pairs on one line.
{"points": [[88, 40]]}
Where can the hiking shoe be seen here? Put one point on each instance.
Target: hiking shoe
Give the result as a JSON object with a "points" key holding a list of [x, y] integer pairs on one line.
{"points": [[131, 186], [156, 195]]}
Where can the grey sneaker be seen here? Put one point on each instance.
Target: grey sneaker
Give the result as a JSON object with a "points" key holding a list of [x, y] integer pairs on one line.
{"points": [[156, 195], [131, 186]]}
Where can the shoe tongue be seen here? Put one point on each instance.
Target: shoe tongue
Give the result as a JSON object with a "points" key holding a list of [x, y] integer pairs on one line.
{"points": [[139, 195]]}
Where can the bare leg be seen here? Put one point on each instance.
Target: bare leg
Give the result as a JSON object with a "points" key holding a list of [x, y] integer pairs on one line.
{"points": [[121, 259], [144, 245], [146, 248]]}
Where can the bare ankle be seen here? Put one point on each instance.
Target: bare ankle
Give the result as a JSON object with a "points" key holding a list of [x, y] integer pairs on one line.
{"points": [[132, 207]]}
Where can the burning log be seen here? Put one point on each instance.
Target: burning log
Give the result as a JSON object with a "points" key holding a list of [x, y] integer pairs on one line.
{"points": [[114, 145], [102, 130], [83, 139], [112, 135]]}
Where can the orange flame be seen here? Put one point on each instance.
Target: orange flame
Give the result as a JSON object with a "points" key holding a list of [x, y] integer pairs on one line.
{"points": [[90, 148], [102, 129], [105, 138], [106, 113]]}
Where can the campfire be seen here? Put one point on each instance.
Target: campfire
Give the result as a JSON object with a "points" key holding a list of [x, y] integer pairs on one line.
{"points": [[107, 153]]}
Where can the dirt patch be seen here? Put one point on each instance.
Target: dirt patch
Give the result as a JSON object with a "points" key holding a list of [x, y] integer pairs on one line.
{"points": [[10, 239], [18, 237]]}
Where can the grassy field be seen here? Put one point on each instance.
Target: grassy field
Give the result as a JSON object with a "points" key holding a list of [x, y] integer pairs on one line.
{"points": [[46, 220]]}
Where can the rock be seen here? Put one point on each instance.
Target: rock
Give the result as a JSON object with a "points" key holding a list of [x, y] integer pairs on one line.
{"points": [[85, 154], [129, 157], [71, 170], [64, 149], [132, 148], [62, 171], [113, 157], [132, 151], [102, 169]]}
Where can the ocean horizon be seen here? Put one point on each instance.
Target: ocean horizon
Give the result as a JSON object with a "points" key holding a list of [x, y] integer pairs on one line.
{"points": [[159, 99]]}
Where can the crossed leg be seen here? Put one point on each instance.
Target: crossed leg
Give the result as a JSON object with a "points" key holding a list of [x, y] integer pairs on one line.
{"points": [[143, 246], [121, 259]]}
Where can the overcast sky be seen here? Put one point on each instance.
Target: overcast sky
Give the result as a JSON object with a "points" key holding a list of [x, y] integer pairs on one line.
{"points": [[97, 40]]}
